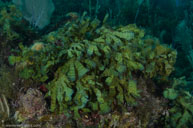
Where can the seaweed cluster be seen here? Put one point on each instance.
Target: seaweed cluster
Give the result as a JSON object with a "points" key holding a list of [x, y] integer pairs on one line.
{"points": [[9, 18], [89, 67], [13, 29], [181, 105]]}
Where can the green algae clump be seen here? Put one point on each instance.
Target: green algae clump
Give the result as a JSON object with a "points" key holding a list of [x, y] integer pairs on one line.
{"points": [[90, 67]]}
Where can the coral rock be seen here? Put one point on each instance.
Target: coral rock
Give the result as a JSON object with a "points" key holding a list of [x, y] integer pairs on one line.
{"points": [[31, 104]]}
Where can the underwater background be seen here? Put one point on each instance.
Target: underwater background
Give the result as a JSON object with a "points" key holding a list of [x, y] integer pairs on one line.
{"points": [[96, 63]]}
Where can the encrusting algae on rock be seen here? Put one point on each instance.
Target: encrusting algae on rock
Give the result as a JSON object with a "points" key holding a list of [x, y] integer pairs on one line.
{"points": [[31, 105]]}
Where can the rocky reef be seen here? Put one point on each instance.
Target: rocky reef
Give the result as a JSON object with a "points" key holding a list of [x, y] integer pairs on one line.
{"points": [[89, 74]]}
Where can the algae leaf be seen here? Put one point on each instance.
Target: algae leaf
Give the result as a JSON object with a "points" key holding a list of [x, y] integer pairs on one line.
{"points": [[76, 70], [63, 91], [81, 96], [170, 94], [80, 69], [60, 91], [71, 73]]}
